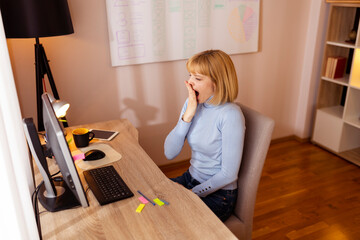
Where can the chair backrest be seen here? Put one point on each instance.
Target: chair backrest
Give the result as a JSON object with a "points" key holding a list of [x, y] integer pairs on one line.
{"points": [[258, 133]]}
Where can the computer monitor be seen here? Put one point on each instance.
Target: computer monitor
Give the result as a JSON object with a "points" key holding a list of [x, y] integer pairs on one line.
{"points": [[59, 193]]}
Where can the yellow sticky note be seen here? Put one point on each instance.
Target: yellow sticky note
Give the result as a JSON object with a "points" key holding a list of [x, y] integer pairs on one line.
{"points": [[158, 202], [140, 207]]}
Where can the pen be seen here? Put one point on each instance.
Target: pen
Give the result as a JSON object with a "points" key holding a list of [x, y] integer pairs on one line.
{"points": [[164, 201], [146, 198]]}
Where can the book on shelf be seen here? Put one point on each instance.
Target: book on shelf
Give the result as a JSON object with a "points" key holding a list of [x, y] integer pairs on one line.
{"points": [[335, 67]]}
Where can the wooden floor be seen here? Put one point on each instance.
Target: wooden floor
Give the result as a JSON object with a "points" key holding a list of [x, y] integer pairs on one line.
{"points": [[305, 192]]}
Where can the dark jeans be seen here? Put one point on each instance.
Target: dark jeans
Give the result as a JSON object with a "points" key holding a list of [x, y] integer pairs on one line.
{"points": [[222, 202]]}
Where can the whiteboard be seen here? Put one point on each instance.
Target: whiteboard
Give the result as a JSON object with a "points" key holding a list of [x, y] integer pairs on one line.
{"points": [[145, 31]]}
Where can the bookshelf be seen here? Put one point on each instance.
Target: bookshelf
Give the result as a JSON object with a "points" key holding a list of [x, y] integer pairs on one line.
{"points": [[337, 118]]}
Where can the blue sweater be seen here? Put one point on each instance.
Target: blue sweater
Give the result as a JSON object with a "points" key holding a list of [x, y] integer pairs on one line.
{"points": [[216, 138]]}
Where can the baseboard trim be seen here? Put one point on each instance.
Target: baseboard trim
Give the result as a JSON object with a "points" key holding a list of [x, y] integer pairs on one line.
{"points": [[289, 138]]}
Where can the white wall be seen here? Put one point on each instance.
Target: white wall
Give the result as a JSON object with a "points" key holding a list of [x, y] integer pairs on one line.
{"points": [[17, 219], [315, 36], [151, 95]]}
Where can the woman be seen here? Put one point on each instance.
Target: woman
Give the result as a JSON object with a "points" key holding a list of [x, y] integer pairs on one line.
{"points": [[214, 128]]}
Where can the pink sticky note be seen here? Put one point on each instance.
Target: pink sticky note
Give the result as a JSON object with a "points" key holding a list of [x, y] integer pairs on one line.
{"points": [[79, 156], [143, 200]]}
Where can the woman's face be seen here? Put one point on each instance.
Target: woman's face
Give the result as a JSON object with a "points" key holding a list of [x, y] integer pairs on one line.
{"points": [[203, 86]]}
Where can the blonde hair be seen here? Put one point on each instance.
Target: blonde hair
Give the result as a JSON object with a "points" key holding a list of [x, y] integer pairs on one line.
{"points": [[217, 65]]}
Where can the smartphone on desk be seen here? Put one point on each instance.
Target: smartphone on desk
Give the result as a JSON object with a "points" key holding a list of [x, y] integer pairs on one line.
{"points": [[104, 134]]}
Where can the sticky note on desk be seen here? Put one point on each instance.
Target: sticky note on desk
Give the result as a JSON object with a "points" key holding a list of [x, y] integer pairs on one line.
{"points": [[143, 200], [78, 156], [158, 202], [140, 207]]}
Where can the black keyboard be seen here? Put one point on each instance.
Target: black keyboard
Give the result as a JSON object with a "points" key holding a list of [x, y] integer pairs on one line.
{"points": [[107, 185]]}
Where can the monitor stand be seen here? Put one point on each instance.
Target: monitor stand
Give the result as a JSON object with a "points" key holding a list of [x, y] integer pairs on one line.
{"points": [[64, 198], [54, 194]]}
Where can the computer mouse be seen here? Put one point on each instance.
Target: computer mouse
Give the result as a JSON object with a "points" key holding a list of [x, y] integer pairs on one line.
{"points": [[94, 154]]}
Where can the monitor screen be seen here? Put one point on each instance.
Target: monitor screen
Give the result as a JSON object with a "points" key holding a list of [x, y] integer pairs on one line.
{"points": [[58, 145]]}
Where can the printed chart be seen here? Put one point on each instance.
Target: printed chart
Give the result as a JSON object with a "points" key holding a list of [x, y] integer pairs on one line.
{"points": [[145, 31], [242, 23]]}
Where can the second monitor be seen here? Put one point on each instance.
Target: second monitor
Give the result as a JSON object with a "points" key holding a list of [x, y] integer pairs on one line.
{"points": [[55, 194]]}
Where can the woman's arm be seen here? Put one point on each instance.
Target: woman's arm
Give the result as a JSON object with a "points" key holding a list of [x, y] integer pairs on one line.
{"points": [[233, 132], [174, 142]]}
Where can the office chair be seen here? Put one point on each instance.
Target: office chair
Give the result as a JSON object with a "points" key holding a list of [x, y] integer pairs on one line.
{"points": [[258, 133]]}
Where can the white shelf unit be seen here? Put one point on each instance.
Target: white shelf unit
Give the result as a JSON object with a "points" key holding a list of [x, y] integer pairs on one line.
{"points": [[341, 44], [342, 81], [337, 121]]}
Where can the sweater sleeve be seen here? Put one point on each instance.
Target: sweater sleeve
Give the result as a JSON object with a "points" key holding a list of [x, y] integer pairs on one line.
{"points": [[232, 132], [174, 142]]}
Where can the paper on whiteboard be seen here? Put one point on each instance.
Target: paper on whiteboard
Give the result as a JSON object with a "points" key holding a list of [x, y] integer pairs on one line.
{"points": [[144, 31]]}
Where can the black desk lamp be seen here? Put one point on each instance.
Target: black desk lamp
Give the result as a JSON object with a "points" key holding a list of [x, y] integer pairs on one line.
{"points": [[35, 19]]}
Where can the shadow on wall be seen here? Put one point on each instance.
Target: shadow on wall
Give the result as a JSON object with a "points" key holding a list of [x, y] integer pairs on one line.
{"points": [[143, 112], [152, 140], [152, 137], [153, 102]]}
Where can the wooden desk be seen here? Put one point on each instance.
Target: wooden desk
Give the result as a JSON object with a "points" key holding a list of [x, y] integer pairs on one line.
{"points": [[187, 217]]}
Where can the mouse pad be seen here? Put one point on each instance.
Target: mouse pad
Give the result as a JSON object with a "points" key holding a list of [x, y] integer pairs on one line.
{"points": [[111, 156]]}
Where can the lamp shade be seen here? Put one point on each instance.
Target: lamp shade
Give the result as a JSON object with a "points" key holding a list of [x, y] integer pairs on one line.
{"points": [[36, 18], [60, 107]]}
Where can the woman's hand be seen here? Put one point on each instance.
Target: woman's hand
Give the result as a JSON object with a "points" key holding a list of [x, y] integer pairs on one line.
{"points": [[192, 104]]}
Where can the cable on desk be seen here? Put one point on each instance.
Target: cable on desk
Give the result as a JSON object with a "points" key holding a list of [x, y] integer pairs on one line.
{"points": [[55, 173], [36, 209], [34, 198]]}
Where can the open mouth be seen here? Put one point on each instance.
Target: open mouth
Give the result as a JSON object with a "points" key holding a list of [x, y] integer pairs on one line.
{"points": [[196, 93]]}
